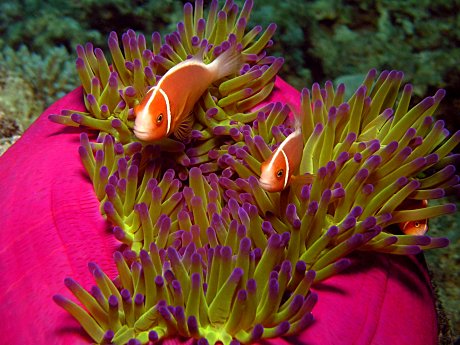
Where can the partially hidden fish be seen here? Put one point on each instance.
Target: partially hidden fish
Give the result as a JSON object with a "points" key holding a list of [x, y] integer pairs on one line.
{"points": [[415, 227], [280, 169], [167, 107]]}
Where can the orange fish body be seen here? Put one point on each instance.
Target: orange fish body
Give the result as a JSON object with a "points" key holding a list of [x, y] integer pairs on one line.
{"points": [[167, 107], [277, 172], [416, 227]]}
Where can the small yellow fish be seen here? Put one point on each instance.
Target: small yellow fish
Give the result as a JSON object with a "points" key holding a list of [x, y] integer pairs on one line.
{"points": [[416, 227], [277, 172], [167, 107]]}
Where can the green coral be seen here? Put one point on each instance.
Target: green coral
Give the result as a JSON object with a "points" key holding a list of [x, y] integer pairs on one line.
{"points": [[418, 37], [42, 25], [31, 82]]}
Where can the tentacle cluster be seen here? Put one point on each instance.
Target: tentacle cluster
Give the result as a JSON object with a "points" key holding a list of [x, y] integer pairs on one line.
{"points": [[202, 240], [215, 294], [370, 155]]}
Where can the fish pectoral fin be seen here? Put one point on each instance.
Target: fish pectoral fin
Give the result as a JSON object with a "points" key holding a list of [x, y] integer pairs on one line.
{"points": [[183, 130], [301, 180]]}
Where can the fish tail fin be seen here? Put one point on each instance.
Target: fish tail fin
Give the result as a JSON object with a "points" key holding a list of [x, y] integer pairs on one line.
{"points": [[229, 62], [199, 55]]}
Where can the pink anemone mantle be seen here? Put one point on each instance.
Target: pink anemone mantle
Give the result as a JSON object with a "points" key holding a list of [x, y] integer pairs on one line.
{"points": [[51, 228]]}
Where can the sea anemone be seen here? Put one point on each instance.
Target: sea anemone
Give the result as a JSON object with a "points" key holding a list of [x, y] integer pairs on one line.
{"points": [[187, 232], [207, 253], [66, 231]]}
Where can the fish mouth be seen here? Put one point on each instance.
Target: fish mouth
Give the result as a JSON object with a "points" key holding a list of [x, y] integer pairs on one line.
{"points": [[265, 185], [137, 131], [142, 135]]}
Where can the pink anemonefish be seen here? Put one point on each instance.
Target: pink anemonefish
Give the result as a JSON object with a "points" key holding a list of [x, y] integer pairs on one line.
{"points": [[277, 172], [167, 107], [415, 227]]}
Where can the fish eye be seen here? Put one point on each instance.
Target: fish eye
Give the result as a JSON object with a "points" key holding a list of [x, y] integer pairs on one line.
{"points": [[416, 224], [160, 118], [279, 173]]}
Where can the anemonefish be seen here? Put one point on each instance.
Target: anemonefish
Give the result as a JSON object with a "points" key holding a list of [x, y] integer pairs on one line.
{"points": [[416, 227], [279, 170], [167, 107]]}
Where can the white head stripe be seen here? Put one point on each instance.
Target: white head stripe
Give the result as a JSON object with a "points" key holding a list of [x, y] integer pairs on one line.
{"points": [[286, 173], [270, 164], [154, 91], [144, 114], [280, 148], [168, 110]]}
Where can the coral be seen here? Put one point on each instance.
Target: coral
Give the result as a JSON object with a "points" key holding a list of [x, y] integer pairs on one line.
{"points": [[42, 25], [368, 34], [10, 131], [17, 99], [30, 82], [443, 266], [8, 127], [49, 23]]}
